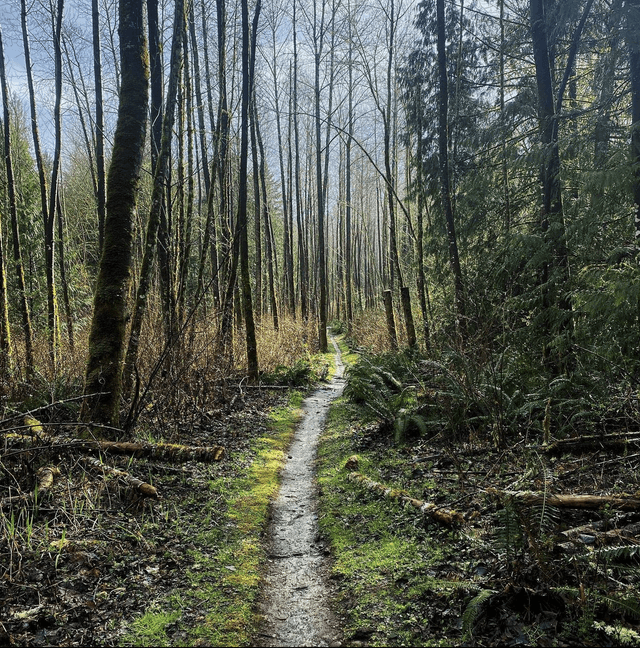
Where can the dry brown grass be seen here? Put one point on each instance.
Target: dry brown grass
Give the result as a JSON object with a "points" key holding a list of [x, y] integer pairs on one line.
{"points": [[369, 331]]}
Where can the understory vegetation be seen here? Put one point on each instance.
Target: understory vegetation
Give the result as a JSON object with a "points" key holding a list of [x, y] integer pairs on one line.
{"points": [[480, 435], [96, 557]]}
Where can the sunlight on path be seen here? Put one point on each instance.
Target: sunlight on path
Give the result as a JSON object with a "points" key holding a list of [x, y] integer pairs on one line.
{"points": [[295, 603]]}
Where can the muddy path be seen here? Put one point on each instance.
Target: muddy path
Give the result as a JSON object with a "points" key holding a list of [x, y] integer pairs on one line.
{"points": [[295, 601]]}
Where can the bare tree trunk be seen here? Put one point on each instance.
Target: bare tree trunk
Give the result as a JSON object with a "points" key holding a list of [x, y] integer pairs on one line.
{"points": [[552, 217], [49, 226], [318, 42], [268, 246], [347, 226], [391, 324], [445, 191], [257, 218], [633, 26], [99, 129], [302, 249], [63, 272], [248, 63]]}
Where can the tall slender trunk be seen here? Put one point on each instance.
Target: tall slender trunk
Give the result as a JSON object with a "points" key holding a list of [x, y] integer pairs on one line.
{"points": [[268, 245], [443, 150], [347, 226], [49, 226], [318, 38], [633, 27], [504, 162], [99, 128], [17, 248], [286, 252], [257, 203], [302, 250], [66, 301], [159, 178], [552, 217], [248, 62]]}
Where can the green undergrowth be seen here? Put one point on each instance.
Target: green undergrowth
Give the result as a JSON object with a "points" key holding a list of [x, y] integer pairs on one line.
{"points": [[224, 534], [388, 561]]}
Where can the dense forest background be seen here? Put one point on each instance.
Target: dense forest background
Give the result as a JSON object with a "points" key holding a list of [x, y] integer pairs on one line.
{"points": [[458, 177]]}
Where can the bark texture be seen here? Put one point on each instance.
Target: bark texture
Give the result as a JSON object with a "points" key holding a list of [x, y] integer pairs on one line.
{"points": [[108, 327]]}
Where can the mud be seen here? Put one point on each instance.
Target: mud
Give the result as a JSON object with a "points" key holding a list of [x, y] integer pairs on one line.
{"points": [[295, 603]]}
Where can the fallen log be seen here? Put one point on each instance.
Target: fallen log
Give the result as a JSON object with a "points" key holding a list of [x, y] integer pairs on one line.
{"points": [[46, 477], [593, 534], [570, 501], [437, 513], [160, 451], [142, 487], [590, 442]]}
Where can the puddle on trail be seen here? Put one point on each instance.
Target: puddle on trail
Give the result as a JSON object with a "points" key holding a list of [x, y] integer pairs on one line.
{"points": [[295, 602]]}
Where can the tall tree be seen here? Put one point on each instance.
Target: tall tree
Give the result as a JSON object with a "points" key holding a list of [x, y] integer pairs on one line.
{"points": [[13, 213], [248, 65], [99, 129], [319, 31], [49, 226], [103, 381], [552, 216], [633, 30], [157, 195], [443, 153]]}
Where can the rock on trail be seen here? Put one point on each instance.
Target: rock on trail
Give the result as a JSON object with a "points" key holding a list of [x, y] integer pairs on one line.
{"points": [[295, 600]]}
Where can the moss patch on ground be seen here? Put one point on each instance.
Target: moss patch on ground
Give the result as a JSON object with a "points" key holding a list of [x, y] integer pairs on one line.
{"points": [[389, 563], [227, 555]]}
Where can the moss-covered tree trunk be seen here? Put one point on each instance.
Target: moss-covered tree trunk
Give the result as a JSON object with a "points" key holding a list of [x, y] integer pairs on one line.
{"points": [[108, 327], [159, 180], [13, 210]]}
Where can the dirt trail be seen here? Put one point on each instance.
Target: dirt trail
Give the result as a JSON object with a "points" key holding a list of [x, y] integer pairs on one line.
{"points": [[295, 603]]}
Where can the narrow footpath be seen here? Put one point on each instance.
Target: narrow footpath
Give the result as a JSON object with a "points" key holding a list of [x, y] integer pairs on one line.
{"points": [[295, 602]]}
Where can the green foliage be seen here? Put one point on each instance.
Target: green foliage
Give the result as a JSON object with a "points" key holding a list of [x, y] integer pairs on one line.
{"points": [[508, 533], [473, 610], [386, 386], [620, 558], [301, 374], [338, 327]]}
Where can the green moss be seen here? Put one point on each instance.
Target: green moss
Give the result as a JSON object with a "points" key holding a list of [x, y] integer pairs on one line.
{"points": [[150, 629], [385, 561], [225, 584]]}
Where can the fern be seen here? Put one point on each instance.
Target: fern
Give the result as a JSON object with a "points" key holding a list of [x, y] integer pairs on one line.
{"points": [[509, 533], [628, 606], [473, 610], [406, 421]]}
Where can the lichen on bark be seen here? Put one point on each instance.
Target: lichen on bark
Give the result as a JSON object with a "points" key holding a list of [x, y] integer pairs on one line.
{"points": [[109, 322]]}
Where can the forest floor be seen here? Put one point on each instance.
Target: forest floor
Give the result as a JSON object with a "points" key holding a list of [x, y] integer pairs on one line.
{"points": [[506, 572], [93, 563]]}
